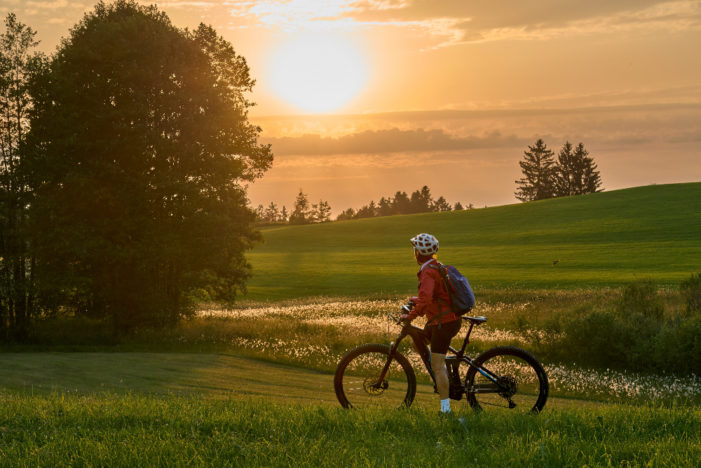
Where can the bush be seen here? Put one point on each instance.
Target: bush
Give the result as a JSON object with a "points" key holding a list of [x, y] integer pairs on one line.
{"points": [[608, 339], [641, 299], [678, 347], [635, 335], [691, 291]]}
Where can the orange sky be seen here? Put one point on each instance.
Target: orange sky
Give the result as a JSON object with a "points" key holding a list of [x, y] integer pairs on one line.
{"points": [[395, 94]]}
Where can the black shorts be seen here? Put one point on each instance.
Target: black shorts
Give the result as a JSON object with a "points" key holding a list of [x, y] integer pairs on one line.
{"points": [[440, 336]]}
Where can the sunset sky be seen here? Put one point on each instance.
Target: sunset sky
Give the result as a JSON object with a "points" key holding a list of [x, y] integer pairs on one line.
{"points": [[363, 98]]}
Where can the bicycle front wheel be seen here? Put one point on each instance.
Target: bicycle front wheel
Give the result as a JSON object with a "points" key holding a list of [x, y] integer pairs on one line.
{"points": [[357, 380], [507, 378]]}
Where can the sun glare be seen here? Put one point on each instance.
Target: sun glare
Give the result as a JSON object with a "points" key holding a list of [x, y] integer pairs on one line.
{"points": [[318, 73]]}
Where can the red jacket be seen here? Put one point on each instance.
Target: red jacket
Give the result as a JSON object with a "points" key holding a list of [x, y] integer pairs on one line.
{"points": [[433, 299]]}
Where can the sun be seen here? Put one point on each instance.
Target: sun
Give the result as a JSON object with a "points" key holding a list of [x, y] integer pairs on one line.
{"points": [[318, 73]]}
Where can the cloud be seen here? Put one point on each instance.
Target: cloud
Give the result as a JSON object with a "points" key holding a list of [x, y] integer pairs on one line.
{"points": [[394, 141], [469, 22], [452, 22], [189, 4], [387, 141], [55, 4]]}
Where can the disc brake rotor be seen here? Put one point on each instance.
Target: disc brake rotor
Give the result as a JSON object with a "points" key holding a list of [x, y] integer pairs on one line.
{"points": [[373, 387]]}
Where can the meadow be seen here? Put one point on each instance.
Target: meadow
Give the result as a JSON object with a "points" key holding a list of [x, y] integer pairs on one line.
{"points": [[599, 240], [252, 384]]}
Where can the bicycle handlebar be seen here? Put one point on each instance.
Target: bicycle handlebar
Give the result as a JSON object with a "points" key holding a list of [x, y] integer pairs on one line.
{"points": [[404, 309]]}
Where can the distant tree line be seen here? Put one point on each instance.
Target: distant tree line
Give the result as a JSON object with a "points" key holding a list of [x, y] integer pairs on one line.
{"points": [[420, 201], [124, 159], [573, 173], [302, 213]]}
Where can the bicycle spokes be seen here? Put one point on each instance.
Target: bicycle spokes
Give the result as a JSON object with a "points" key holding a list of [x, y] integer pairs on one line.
{"points": [[367, 378], [374, 387]]}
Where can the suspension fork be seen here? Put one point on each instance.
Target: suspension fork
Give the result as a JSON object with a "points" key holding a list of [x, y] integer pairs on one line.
{"points": [[393, 346]]}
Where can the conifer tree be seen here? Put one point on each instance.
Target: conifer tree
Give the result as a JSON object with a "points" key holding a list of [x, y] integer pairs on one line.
{"points": [[283, 214], [576, 173], [421, 200], [441, 205], [301, 213], [321, 212], [384, 207], [346, 214], [567, 172], [401, 203], [591, 180], [538, 173], [367, 211], [272, 214]]}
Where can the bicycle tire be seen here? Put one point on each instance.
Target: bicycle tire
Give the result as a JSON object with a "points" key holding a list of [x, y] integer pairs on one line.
{"points": [[521, 375], [355, 380]]}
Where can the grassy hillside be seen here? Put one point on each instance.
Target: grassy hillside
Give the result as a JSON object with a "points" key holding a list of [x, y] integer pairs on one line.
{"points": [[602, 239]]}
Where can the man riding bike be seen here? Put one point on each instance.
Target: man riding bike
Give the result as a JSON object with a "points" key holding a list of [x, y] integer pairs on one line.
{"points": [[433, 302]]}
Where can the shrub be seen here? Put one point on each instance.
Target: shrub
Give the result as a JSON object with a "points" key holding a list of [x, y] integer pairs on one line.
{"points": [[641, 299], [691, 291], [678, 347], [608, 339], [634, 335]]}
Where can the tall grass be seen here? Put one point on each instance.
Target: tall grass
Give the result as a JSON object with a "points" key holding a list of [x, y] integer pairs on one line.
{"points": [[589, 340], [140, 430]]}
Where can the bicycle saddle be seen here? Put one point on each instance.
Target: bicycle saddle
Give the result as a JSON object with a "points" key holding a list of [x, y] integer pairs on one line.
{"points": [[476, 320]]}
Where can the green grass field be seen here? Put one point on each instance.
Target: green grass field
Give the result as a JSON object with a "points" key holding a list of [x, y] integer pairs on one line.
{"points": [[171, 409], [141, 430], [599, 240], [252, 386]]}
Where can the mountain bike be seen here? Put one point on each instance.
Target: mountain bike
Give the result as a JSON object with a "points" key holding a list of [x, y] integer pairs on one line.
{"points": [[504, 377]]}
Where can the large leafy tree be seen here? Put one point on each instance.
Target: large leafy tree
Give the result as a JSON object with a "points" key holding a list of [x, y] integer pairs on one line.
{"points": [[18, 64], [538, 170], [140, 148]]}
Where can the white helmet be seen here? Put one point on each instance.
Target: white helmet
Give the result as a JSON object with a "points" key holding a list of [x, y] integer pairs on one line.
{"points": [[426, 244]]}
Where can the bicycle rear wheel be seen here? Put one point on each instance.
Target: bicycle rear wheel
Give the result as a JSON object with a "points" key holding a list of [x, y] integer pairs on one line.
{"points": [[521, 382], [357, 381]]}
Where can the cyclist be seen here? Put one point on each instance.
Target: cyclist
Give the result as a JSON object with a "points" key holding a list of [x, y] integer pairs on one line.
{"points": [[433, 302]]}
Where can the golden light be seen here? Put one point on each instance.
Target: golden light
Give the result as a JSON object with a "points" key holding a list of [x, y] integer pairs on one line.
{"points": [[318, 73]]}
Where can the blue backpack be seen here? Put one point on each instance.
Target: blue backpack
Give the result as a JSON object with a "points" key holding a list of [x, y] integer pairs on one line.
{"points": [[461, 296]]}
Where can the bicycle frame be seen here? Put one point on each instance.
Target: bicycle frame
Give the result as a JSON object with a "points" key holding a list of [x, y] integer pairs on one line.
{"points": [[418, 336]]}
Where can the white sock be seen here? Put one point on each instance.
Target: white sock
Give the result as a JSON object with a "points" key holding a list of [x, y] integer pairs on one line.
{"points": [[445, 405]]}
